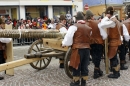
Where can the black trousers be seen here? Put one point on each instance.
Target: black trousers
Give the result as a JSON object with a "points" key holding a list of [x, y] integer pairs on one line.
{"points": [[122, 51], [96, 53], [2, 59], [114, 61], [84, 62]]}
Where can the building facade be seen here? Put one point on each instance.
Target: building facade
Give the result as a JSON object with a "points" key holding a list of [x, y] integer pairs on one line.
{"points": [[99, 6], [19, 9]]}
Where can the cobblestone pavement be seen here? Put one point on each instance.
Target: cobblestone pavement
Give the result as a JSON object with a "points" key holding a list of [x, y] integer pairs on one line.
{"points": [[53, 76]]}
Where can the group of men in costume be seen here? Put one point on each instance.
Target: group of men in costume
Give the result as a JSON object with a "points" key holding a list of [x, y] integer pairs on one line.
{"points": [[87, 38]]}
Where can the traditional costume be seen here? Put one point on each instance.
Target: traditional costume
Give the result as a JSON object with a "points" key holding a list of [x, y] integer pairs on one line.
{"points": [[62, 29], [114, 29], [78, 36], [127, 24], [122, 49], [97, 44]]}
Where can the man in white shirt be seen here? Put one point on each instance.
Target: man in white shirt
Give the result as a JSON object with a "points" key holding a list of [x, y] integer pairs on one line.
{"points": [[123, 48], [127, 24], [78, 36], [113, 27], [97, 43], [62, 29]]}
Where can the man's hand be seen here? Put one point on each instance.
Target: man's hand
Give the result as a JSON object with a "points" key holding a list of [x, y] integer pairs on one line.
{"points": [[114, 19]]}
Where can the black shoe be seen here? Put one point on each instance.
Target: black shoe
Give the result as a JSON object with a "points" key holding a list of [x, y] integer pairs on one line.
{"points": [[75, 83], [61, 65], [115, 75], [97, 73], [83, 82], [123, 67], [1, 78]]}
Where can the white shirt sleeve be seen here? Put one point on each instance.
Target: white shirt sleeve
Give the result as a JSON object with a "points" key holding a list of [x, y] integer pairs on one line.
{"points": [[125, 33], [63, 30], [102, 32], [107, 23], [5, 40], [68, 39]]}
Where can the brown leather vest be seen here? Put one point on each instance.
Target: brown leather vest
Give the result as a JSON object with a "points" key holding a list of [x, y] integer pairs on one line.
{"points": [[96, 38], [127, 24], [114, 35], [81, 37]]}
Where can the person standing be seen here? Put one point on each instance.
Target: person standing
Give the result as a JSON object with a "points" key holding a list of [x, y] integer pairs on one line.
{"points": [[62, 28], [114, 29], [97, 43], [78, 37], [127, 24], [123, 49]]}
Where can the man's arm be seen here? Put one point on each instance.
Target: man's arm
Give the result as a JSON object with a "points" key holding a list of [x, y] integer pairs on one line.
{"points": [[68, 39], [107, 23], [125, 33]]}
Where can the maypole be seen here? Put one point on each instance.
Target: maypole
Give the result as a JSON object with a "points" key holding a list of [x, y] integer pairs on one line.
{"points": [[106, 51]]}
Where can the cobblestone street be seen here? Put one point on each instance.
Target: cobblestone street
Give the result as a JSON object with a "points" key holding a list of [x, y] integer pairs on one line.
{"points": [[54, 76]]}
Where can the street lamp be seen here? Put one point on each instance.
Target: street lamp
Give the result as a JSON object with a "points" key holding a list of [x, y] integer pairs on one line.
{"points": [[106, 4]]}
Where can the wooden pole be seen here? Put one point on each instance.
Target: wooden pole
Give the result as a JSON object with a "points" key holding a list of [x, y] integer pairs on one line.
{"points": [[9, 51], [106, 50], [106, 56]]}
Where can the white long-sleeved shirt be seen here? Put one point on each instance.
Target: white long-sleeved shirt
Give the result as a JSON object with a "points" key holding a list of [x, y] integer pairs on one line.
{"points": [[107, 23], [103, 25], [68, 39], [125, 33], [63, 30], [5, 40]]}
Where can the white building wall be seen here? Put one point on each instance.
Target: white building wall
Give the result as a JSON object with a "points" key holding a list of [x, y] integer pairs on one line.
{"points": [[49, 3], [79, 7], [22, 12], [50, 11]]}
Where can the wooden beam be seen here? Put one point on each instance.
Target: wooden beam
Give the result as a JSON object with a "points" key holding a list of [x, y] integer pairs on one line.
{"points": [[17, 63], [9, 51], [54, 43]]}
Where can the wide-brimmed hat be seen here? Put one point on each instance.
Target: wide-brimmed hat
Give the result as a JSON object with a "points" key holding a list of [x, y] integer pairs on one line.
{"points": [[88, 14], [110, 10], [62, 17], [79, 16]]}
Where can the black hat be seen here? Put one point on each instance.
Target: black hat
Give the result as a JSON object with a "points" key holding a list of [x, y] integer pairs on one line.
{"points": [[109, 10], [79, 16], [89, 14], [62, 17]]}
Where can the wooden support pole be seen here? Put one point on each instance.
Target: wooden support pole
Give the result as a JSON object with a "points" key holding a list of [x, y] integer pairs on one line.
{"points": [[106, 56], [9, 51], [17, 63]]}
